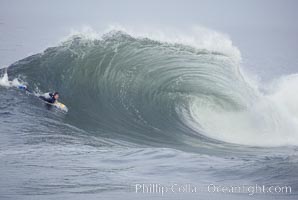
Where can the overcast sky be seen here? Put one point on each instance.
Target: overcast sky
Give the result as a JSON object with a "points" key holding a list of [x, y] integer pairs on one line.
{"points": [[264, 29]]}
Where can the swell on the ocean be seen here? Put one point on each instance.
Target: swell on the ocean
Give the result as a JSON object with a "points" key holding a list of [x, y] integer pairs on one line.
{"points": [[145, 88]]}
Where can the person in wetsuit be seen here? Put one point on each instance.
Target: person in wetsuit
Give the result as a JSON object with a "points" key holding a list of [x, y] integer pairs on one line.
{"points": [[50, 97]]}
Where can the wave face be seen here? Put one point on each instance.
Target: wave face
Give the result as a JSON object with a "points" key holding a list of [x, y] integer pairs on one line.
{"points": [[154, 92]]}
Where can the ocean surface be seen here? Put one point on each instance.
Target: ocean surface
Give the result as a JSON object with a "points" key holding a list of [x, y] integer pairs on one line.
{"points": [[146, 112]]}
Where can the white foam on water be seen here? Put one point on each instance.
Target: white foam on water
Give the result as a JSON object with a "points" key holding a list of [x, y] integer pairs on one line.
{"points": [[5, 82], [271, 120]]}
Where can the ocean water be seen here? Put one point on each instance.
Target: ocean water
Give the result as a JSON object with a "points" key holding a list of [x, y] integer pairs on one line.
{"points": [[146, 114]]}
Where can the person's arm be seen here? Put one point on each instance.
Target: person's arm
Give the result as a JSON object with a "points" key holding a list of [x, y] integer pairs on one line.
{"points": [[53, 100], [28, 90]]}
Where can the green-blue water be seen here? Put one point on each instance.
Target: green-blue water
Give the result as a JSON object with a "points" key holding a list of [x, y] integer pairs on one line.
{"points": [[143, 111]]}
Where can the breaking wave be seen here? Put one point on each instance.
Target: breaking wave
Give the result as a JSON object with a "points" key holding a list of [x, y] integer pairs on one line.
{"points": [[159, 90]]}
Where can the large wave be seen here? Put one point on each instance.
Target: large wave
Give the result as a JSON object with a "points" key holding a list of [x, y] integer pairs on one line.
{"points": [[163, 91]]}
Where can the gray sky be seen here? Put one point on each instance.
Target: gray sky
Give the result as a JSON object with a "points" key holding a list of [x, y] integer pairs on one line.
{"points": [[265, 31]]}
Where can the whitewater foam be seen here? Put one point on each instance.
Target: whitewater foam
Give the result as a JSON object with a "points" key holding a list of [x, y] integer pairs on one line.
{"points": [[271, 120], [4, 81]]}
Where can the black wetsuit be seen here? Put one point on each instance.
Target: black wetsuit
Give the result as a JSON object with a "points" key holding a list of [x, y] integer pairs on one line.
{"points": [[51, 99]]}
